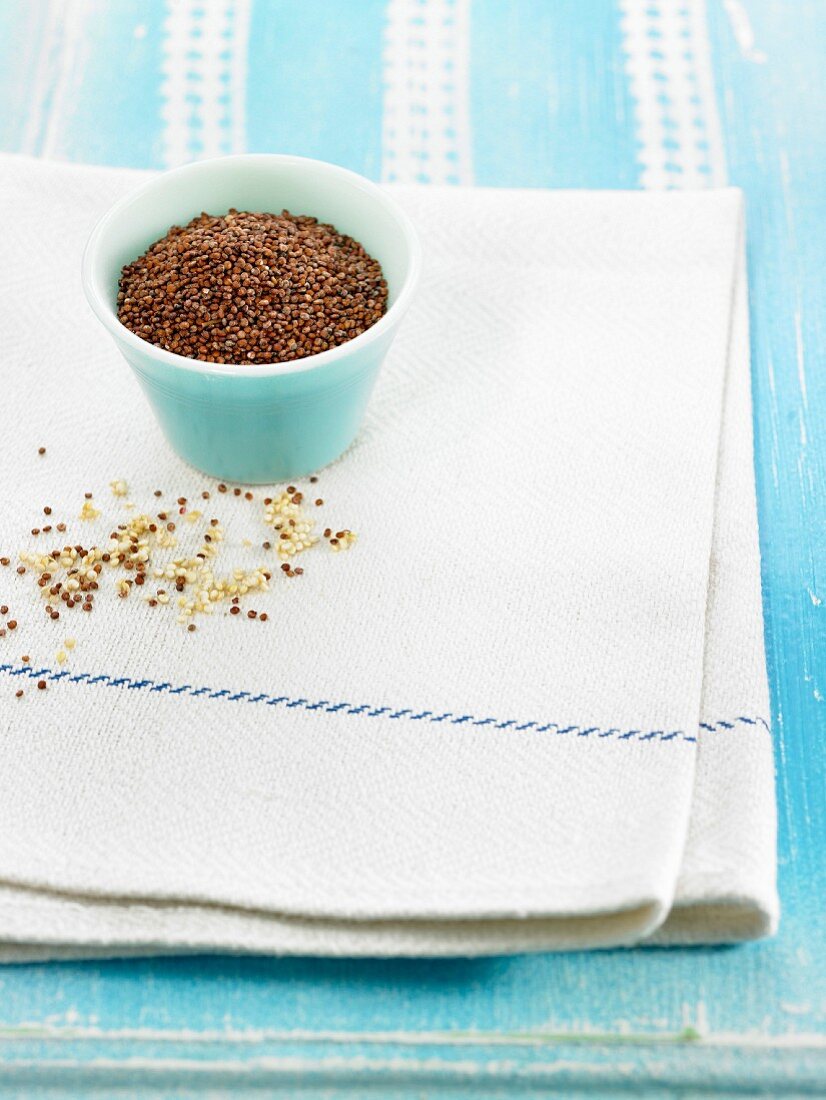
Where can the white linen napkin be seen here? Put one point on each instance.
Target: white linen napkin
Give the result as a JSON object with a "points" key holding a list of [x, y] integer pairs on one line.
{"points": [[527, 711]]}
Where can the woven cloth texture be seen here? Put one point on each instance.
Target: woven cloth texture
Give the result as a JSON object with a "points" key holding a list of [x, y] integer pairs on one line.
{"points": [[527, 711]]}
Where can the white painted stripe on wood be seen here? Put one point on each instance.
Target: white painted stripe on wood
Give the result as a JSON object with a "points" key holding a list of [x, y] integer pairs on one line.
{"points": [[204, 70], [426, 117], [668, 61]]}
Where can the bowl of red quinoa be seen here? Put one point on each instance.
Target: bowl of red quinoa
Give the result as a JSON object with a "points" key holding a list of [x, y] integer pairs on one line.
{"points": [[255, 298]]}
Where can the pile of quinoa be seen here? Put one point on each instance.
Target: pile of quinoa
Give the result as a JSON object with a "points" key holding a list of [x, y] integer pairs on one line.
{"points": [[251, 288]]}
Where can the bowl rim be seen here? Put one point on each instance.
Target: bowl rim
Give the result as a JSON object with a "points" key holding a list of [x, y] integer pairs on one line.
{"points": [[109, 318]]}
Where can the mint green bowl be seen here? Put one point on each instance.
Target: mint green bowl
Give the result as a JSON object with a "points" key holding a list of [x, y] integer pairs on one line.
{"points": [[256, 423]]}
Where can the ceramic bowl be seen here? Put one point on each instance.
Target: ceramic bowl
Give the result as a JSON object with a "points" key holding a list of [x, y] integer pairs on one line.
{"points": [[256, 423]]}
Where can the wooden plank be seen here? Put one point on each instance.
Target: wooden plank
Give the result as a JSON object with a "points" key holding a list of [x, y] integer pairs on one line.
{"points": [[702, 1019]]}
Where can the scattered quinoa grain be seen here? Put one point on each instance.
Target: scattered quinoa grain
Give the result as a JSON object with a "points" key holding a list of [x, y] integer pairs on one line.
{"points": [[130, 548], [41, 450], [41, 685], [343, 540], [19, 693]]}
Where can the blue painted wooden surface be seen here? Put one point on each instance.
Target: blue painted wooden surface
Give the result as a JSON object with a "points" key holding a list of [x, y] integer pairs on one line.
{"points": [[549, 104]]}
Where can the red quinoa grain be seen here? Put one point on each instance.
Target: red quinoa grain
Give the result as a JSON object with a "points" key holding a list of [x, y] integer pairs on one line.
{"points": [[251, 288]]}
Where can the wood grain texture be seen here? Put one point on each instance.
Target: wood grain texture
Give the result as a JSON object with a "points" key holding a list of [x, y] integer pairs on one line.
{"points": [[550, 107]]}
